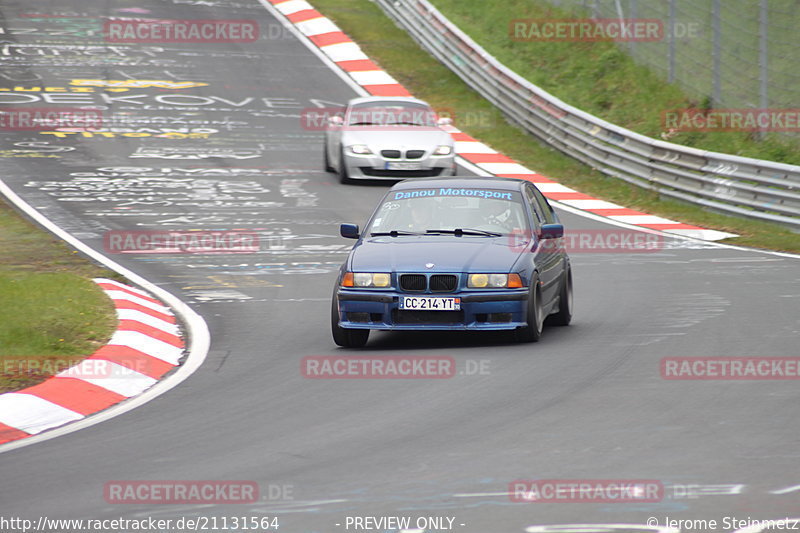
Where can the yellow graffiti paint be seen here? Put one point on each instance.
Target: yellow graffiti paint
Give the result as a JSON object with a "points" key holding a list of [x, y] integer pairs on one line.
{"points": [[137, 84]]}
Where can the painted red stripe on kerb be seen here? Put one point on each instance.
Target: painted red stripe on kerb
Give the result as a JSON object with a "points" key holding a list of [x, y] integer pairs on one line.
{"points": [[302, 16], [150, 331], [393, 89], [358, 65], [617, 211], [461, 136], [533, 178], [7, 434], [134, 359], [75, 394], [568, 196], [112, 287], [325, 39], [677, 225], [487, 158], [127, 304]]}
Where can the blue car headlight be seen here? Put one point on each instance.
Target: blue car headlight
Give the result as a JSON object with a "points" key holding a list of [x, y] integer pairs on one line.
{"points": [[494, 281], [366, 279]]}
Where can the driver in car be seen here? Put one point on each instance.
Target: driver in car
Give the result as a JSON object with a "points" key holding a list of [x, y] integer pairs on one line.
{"points": [[420, 217], [497, 216]]}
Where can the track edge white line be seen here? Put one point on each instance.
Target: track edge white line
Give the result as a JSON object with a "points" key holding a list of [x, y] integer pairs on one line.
{"points": [[198, 338]]}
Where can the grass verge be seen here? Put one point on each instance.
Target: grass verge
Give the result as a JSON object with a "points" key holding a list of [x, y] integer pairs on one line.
{"points": [[601, 79], [428, 79], [52, 314]]}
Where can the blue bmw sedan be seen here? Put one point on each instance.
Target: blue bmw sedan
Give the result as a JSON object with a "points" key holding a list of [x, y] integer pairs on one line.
{"points": [[461, 253]]}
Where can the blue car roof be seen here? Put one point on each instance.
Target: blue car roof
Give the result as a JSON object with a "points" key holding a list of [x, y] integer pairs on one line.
{"points": [[463, 182]]}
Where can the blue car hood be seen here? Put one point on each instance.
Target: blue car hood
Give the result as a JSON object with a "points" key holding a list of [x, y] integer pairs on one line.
{"points": [[447, 253]]}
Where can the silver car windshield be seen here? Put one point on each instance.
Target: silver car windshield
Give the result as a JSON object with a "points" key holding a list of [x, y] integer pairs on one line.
{"points": [[391, 113], [472, 211]]}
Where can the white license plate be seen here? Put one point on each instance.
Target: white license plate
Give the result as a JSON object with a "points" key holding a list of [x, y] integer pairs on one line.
{"points": [[402, 165], [427, 303]]}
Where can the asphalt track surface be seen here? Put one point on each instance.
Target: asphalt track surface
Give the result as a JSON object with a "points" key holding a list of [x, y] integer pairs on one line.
{"points": [[587, 402]]}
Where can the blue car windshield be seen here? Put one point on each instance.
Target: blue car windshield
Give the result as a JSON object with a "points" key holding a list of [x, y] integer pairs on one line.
{"points": [[479, 210]]}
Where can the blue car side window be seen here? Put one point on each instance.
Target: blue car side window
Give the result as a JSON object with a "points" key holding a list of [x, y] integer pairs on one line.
{"points": [[547, 210], [538, 216]]}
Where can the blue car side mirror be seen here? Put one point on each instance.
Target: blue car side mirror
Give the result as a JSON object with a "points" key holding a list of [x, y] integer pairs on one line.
{"points": [[349, 231], [552, 231]]}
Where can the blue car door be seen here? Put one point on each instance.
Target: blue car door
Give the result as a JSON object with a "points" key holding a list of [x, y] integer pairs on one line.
{"points": [[548, 253]]}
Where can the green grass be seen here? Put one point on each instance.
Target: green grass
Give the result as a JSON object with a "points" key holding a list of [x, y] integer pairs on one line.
{"points": [[600, 78], [426, 78], [739, 59], [51, 313]]}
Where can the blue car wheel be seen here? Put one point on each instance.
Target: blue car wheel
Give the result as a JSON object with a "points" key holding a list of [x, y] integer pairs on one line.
{"points": [[533, 331], [564, 315], [346, 338]]}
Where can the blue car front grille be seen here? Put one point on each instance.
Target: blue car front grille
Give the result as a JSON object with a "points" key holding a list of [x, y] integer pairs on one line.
{"points": [[443, 283], [413, 282], [422, 283]]}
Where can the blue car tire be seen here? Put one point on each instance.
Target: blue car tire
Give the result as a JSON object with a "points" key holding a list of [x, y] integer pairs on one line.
{"points": [[346, 338], [533, 331]]}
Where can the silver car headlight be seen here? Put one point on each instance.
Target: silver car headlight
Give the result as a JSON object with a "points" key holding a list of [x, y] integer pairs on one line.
{"points": [[443, 149], [360, 149]]}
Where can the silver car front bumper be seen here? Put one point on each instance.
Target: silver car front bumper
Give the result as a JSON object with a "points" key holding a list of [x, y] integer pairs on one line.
{"points": [[377, 167]]}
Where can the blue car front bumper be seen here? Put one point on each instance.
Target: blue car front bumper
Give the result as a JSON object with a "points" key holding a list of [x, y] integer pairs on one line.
{"points": [[480, 310]]}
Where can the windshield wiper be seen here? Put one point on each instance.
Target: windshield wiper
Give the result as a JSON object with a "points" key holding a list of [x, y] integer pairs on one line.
{"points": [[363, 124], [393, 233], [466, 231]]}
